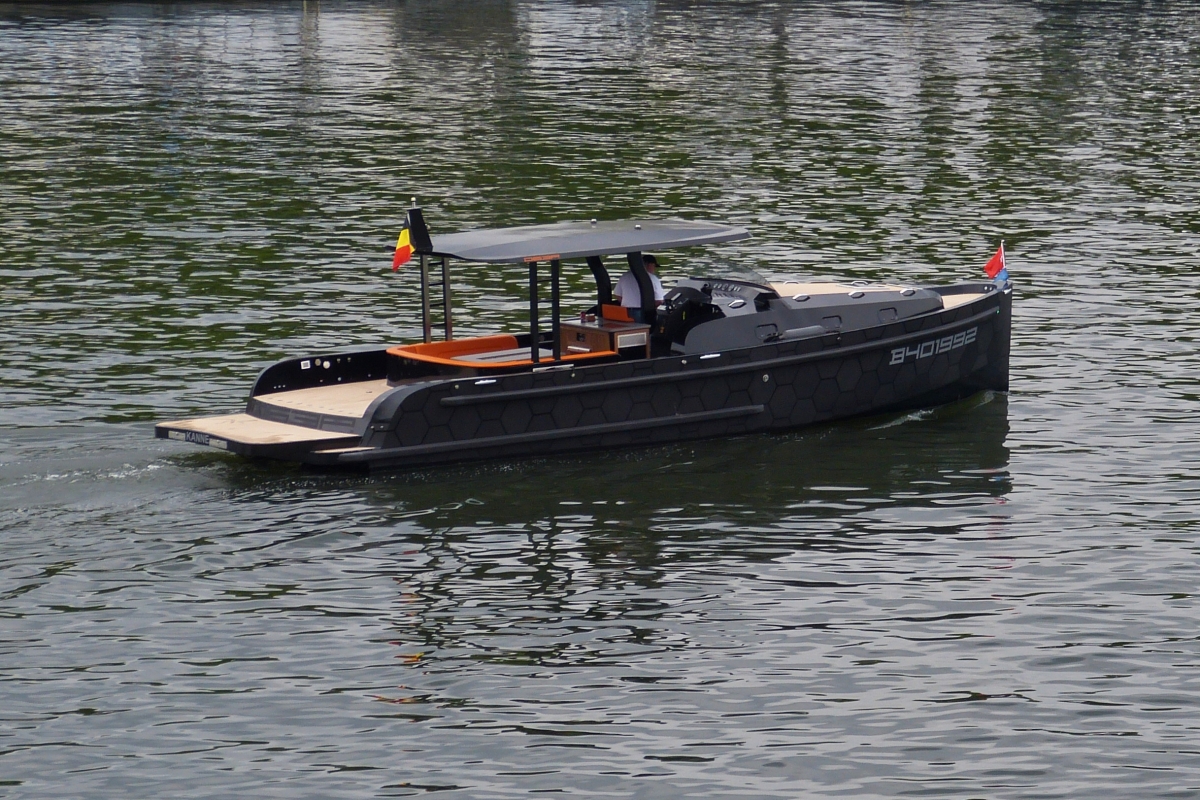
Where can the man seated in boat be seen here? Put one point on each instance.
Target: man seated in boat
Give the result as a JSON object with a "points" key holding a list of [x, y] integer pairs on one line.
{"points": [[629, 295]]}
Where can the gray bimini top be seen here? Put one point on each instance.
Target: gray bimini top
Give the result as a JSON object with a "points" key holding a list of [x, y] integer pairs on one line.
{"points": [[563, 240]]}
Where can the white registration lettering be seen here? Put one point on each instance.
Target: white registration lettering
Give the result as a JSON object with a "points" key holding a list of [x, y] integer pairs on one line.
{"points": [[933, 347]]}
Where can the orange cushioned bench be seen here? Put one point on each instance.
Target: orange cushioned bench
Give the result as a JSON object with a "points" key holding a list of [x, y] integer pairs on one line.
{"points": [[482, 352]]}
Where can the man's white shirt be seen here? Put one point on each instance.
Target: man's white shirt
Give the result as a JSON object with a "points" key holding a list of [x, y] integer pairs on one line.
{"points": [[631, 294]]}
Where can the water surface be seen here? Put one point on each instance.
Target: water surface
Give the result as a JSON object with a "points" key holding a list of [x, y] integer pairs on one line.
{"points": [[990, 599]]}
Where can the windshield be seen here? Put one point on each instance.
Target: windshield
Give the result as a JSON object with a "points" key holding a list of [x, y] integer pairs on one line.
{"points": [[735, 272]]}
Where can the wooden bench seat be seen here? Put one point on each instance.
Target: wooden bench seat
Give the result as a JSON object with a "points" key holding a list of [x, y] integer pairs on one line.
{"points": [[485, 352]]}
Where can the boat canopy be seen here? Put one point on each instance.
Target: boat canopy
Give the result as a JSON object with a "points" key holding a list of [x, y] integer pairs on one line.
{"points": [[562, 240], [551, 244]]}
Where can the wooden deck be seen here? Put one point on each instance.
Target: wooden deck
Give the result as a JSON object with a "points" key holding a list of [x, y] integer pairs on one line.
{"points": [[348, 400], [343, 399], [955, 300], [244, 429]]}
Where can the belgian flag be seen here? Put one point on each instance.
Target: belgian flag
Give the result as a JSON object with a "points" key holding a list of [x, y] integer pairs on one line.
{"points": [[404, 248]]}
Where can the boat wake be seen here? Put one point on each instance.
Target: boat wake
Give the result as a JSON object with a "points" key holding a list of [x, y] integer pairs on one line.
{"points": [[922, 414]]}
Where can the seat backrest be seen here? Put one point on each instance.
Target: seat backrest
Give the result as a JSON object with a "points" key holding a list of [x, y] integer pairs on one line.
{"points": [[615, 313]]}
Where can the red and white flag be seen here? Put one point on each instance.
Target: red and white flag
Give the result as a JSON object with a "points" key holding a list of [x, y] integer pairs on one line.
{"points": [[995, 266]]}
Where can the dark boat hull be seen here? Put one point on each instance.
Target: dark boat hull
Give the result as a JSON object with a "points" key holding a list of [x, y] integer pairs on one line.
{"points": [[919, 362]]}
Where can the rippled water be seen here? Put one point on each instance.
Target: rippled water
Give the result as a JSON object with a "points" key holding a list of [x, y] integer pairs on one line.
{"points": [[991, 599]]}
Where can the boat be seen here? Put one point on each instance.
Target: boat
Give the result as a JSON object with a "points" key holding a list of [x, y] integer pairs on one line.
{"points": [[723, 355]]}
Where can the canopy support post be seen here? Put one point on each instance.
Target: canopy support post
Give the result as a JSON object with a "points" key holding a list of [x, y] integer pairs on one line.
{"points": [[555, 267], [446, 299], [426, 322], [603, 281], [534, 344], [644, 284]]}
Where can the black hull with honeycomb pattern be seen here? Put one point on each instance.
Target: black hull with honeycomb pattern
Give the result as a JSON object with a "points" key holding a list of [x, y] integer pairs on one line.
{"points": [[920, 362]]}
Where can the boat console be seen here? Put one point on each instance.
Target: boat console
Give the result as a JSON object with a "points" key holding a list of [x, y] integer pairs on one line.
{"points": [[701, 315]]}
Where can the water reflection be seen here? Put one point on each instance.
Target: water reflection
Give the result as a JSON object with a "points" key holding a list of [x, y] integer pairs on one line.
{"points": [[560, 562]]}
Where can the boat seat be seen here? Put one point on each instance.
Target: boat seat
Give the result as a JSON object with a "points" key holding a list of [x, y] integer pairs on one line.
{"points": [[484, 352], [504, 356], [615, 313]]}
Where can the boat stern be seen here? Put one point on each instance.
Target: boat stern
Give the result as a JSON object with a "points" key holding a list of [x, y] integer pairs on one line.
{"points": [[251, 436]]}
